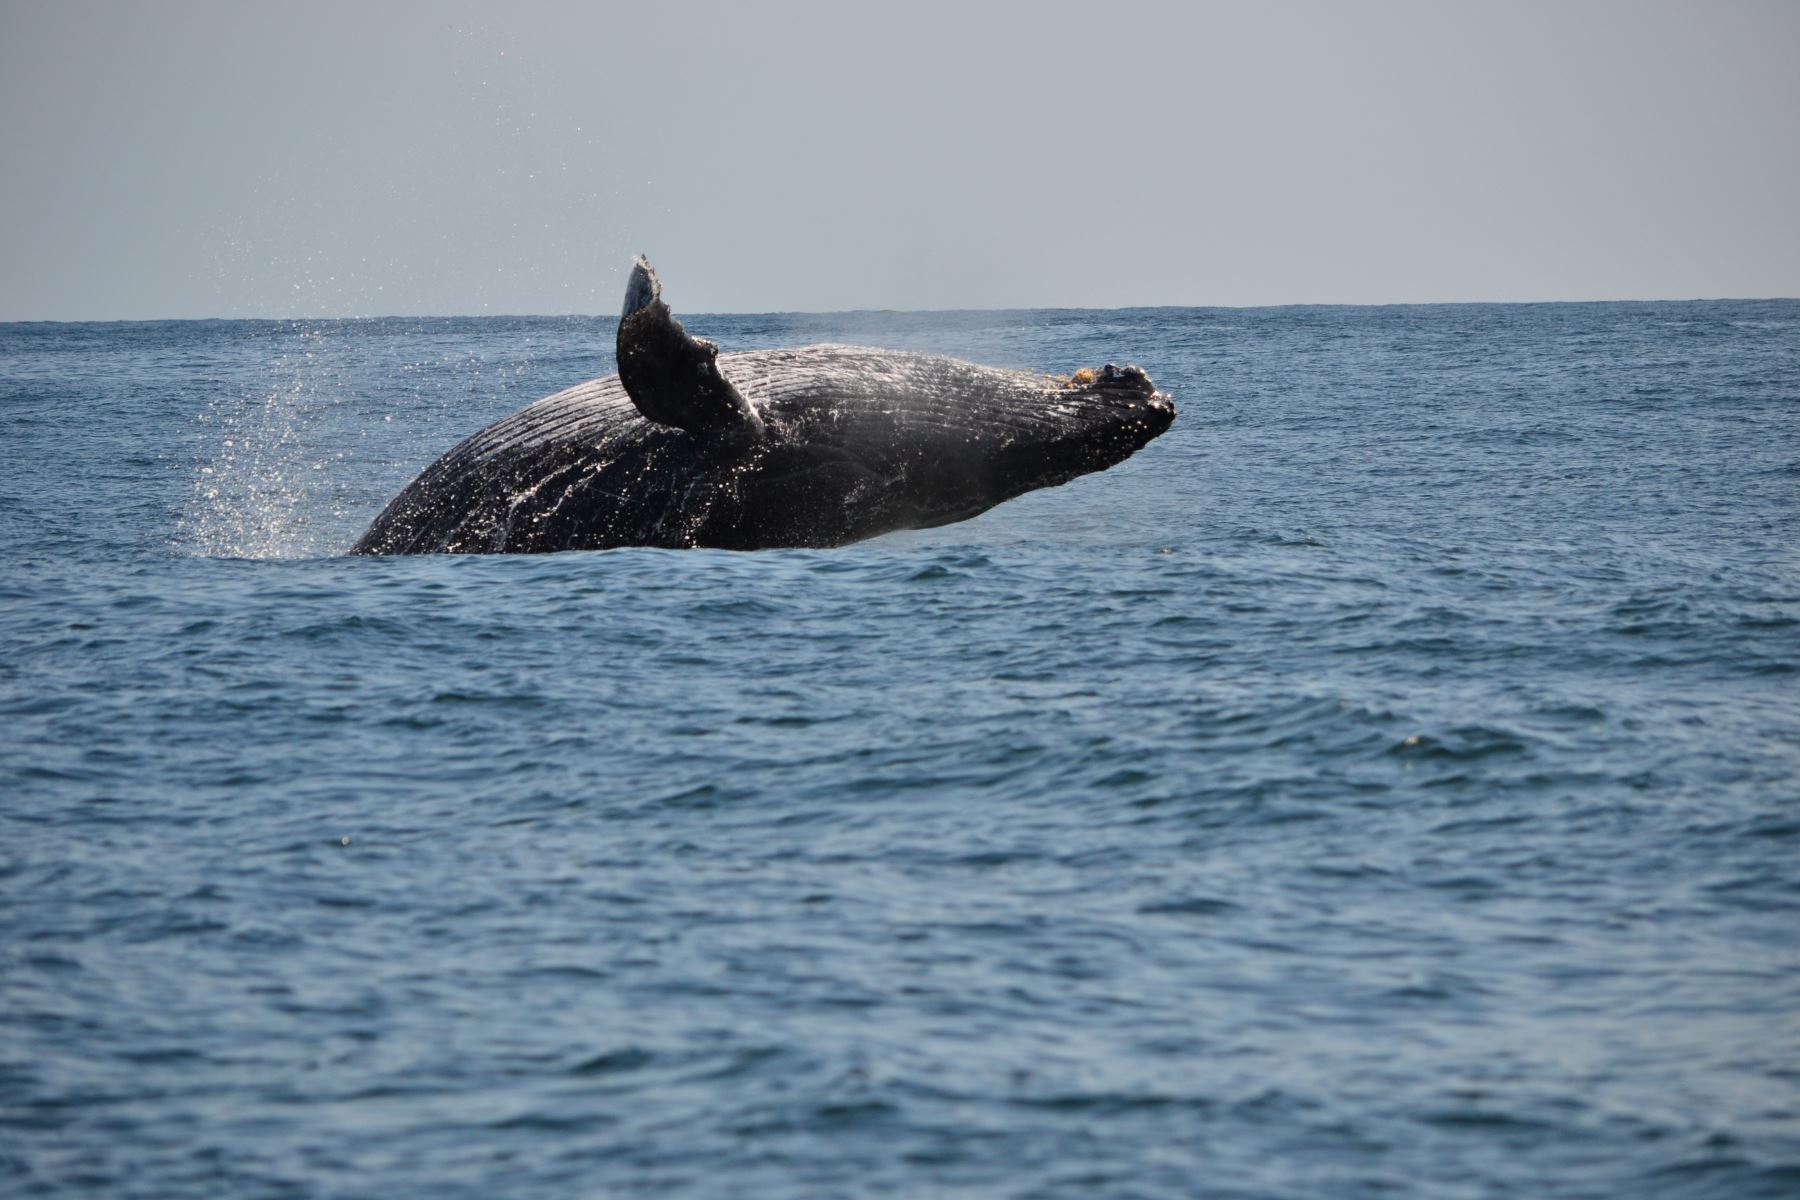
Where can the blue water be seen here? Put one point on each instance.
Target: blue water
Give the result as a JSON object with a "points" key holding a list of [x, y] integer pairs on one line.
{"points": [[1387, 783]]}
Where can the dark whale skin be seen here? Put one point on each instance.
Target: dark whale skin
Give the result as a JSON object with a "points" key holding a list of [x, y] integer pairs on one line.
{"points": [[811, 447], [854, 442]]}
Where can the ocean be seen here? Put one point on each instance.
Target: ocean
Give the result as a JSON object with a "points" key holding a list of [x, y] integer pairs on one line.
{"points": [[1385, 784]]}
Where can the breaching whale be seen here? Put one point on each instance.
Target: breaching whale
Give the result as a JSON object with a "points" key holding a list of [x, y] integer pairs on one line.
{"points": [[816, 446]]}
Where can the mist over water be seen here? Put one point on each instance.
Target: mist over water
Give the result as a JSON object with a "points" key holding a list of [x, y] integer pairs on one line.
{"points": [[1382, 784]]}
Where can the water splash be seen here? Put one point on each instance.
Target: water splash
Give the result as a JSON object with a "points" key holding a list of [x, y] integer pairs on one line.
{"points": [[264, 484]]}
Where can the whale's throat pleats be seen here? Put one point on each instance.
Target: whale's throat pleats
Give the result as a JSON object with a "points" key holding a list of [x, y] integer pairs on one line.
{"points": [[671, 376]]}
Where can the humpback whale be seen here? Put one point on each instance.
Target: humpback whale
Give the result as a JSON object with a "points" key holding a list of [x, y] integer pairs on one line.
{"points": [[815, 446]]}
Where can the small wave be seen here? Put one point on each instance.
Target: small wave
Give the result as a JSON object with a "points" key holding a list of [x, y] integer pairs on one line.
{"points": [[1115, 1103], [1484, 1119], [615, 1062], [1189, 906], [1465, 743], [539, 1121]]}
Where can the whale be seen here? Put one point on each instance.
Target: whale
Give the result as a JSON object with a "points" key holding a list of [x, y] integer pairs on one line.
{"points": [[813, 446]]}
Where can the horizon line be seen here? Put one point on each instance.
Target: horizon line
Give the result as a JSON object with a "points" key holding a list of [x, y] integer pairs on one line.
{"points": [[847, 312]]}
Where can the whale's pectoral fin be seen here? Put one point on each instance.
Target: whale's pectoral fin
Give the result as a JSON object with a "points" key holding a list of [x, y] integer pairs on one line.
{"points": [[672, 376]]}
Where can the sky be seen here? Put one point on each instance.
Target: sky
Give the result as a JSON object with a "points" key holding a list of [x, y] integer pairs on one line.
{"points": [[250, 159]]}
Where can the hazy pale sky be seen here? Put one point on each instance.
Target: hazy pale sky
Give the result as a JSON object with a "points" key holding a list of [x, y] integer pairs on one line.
{"points": [[252, 159]]}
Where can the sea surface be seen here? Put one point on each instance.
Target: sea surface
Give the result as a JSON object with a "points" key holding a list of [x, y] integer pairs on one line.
{"points": [[1386, 784]]}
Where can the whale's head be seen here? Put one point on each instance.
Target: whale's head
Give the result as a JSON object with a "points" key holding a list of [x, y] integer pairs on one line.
{"points": [[985, 436], [1094, 420], [861, 440]]}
